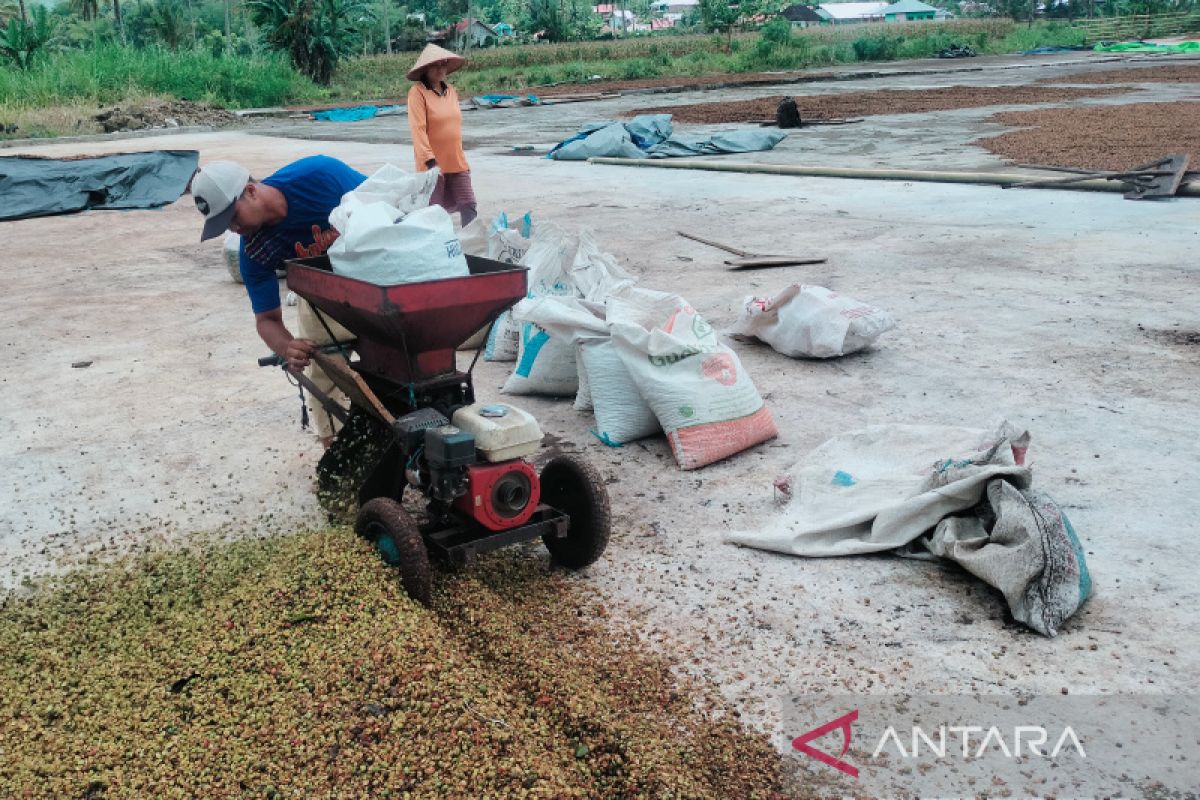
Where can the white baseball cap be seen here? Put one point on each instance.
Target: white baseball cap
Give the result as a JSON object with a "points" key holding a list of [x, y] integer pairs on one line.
{"points": [[215, 188]]}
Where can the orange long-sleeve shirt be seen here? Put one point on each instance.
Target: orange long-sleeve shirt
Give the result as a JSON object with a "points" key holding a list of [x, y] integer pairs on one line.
{"points": [[436, 124]]}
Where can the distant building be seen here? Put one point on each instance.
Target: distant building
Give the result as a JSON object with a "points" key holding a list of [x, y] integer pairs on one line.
{"points": [[467, 33], [909, 11], [616, 19], [673, 6], [850, 13], [802, 16]]}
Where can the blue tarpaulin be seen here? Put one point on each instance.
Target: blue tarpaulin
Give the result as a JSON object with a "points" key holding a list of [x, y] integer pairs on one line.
{"points": [[493, 100], [355, 114]]}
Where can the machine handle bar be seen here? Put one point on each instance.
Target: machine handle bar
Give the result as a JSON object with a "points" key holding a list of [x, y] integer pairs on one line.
{"points": [[276, 360]]}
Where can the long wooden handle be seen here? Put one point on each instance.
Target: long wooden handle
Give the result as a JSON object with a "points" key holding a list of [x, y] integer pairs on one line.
{"points": [[717, 245]]}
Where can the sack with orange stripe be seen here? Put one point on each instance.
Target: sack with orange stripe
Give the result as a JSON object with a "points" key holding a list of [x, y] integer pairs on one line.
{"points": [[695, 385]]}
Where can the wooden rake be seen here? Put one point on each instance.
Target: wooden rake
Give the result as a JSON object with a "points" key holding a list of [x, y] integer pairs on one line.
{"points": [[747, 260]]}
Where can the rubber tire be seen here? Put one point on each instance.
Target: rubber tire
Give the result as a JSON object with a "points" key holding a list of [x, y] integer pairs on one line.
{"points": [[570, 484], [384, 517]]}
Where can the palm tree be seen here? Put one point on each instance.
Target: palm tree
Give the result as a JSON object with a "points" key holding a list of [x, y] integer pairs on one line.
{"points": [[116, 4], [167, 22], [88, 9]]}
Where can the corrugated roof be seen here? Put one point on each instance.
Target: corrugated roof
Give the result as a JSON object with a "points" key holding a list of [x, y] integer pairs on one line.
{"points": [[909, 7], [854, 10]]}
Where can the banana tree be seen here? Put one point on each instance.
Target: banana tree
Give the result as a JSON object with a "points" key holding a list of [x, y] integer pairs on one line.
{"points": [[21, 40], [314, 33]]}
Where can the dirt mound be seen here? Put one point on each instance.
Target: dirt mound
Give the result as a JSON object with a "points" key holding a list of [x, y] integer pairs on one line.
{"points": [[164, 114], [1100, 137], [1175, 73], [865, 104]]}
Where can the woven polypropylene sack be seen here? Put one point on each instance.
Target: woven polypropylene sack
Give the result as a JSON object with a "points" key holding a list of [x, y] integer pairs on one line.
{"points": [[696, 386]]}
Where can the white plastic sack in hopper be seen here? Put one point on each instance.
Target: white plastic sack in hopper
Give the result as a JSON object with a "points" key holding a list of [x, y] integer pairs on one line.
{"points": [[622, 414], [404, 191], [375, 247], [550, 327], [696, 386], [232, 249], [812, 321]]}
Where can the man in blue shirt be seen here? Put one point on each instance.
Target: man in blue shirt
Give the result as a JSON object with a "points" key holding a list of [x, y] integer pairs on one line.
{"points": [[285, 215]]}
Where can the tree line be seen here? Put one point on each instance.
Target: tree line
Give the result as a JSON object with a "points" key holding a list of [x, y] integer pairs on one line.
{"points": [[317, 33]]}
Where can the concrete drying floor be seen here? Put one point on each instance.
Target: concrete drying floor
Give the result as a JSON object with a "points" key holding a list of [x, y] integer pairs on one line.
{"points": [[1071, 313]]}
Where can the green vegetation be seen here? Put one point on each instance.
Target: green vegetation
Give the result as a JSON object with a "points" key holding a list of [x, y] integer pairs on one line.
{"points": [[63, 66], [111, 73], [316, 34], [774, 48], [297, 667], [21, 39]]}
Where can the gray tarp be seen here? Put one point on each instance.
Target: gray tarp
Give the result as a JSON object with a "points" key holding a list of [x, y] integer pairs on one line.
{"points": [[38, 187], [652, 136], [935, 492]]}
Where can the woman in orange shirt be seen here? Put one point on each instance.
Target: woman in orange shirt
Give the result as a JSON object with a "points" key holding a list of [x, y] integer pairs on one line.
{"points": [[436, 124]]}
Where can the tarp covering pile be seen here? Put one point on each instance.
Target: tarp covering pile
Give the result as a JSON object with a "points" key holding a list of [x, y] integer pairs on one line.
{"points": [[39, 187], [504, 100], [1147, 47], [929, 491], [652, 136]]}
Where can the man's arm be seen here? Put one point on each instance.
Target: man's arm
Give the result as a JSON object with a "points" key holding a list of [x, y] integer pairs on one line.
{"points": [[271, 329]]}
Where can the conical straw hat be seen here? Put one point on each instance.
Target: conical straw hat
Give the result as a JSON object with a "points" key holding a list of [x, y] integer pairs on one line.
{"points": [[432, 54]]}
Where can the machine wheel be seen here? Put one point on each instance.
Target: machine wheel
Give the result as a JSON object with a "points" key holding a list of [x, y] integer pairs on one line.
{"points": [[389, 527], [570, 485]]}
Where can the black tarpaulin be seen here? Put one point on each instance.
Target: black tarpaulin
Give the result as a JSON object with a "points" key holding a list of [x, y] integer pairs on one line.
{"points": [[38, 187]]}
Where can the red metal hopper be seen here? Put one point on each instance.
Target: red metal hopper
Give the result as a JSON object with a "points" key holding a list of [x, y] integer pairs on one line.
{"points": [[408, 332]]}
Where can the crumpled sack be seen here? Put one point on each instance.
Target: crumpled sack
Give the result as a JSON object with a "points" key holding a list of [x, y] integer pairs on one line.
{"points": [[560, 265], [962, 494]]}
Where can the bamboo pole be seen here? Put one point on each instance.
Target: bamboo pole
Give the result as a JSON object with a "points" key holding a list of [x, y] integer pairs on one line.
{"points": [[925, 176]]}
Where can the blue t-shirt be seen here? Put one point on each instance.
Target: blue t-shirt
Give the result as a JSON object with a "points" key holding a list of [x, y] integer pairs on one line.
{"points": [[313, 187]]}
